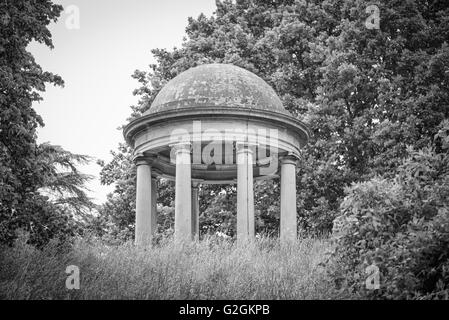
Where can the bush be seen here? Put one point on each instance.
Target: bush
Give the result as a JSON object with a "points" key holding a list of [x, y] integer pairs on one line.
{"points": [[401, 225], [43, 221]]}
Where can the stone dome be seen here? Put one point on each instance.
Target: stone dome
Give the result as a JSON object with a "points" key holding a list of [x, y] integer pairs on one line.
{"points": [[220, 85]]}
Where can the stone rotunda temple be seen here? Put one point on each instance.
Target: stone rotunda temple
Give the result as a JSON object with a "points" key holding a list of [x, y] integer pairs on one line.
{"points": [[215, 123]]}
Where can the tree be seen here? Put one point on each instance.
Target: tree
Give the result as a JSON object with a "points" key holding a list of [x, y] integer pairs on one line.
{"points": [[63, 183], [26, 167]]}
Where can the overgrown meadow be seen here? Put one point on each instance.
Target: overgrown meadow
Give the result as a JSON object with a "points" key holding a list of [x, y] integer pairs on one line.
{"points": [[209, 269]]}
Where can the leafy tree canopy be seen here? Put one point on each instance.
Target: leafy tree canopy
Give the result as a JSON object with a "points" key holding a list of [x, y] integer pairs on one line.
{"points": [[27, 168]]}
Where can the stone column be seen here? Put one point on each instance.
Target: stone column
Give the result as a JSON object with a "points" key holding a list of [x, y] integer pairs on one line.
{"points": [[183, 193], [144, 216], [245, 194], [153, 205], [195, 211], [288, 199]]}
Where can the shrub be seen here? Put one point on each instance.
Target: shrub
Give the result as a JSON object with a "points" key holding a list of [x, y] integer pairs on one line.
{"points": [[401, 225]]}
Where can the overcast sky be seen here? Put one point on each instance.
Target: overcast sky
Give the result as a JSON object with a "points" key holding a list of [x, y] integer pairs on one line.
{"points": [[96, 61]]}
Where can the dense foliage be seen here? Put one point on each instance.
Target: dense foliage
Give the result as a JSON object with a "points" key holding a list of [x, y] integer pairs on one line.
{"points": [[401, 225], [26, 168]]}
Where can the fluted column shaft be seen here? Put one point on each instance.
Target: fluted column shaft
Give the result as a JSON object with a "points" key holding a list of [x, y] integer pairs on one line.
{"points": [[153, 206], [195, 212], [183, 193], [288, 226], [144, 216], [245, 194]]}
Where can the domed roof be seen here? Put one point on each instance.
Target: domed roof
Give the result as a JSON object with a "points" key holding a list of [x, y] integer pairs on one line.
{"points": [[221, 85]]}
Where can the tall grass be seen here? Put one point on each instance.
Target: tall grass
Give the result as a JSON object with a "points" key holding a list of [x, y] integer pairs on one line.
{"points": [[209, 269]]}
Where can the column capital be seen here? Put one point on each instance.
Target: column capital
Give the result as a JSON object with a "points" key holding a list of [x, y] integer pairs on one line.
{"points": [[141, 159], [244, 147], [181, 146], [289, 158], [180, 150]]}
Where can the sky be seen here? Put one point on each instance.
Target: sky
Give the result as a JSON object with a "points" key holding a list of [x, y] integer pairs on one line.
{"points": [[97, 46]]}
